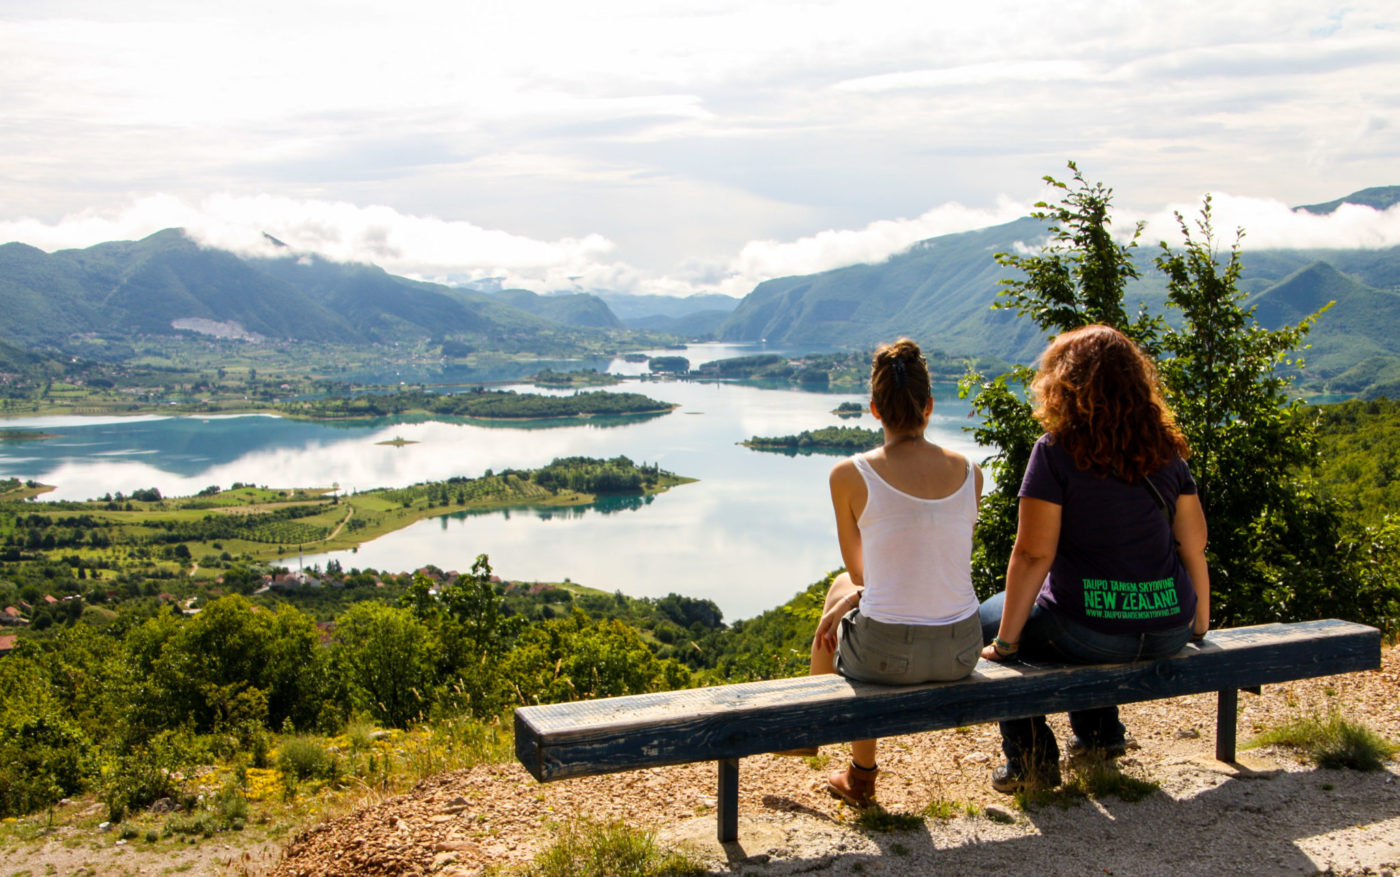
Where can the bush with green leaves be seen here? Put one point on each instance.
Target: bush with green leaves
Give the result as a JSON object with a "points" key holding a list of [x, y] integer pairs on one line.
{"points": [[43, 758], [383, 658], [305, 758], [576, 658], [136, 776], [231, 669]]}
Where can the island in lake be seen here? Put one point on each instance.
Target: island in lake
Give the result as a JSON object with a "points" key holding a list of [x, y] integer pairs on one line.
{"points": [[250, 524], [478, 403], [24, 435], [835, 440]]}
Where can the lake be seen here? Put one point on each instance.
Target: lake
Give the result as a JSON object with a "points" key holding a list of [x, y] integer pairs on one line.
{"points": [[755, 529]]}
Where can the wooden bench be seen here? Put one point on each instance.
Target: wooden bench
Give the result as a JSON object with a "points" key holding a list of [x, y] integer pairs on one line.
{"points": [[727, 722]]}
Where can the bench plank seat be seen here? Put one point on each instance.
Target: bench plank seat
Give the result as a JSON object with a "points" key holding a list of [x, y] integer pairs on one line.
{"points": [[727, 722]]}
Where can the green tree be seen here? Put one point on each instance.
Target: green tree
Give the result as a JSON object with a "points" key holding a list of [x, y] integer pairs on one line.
{"points": [[384, 658], [475, 632], [1279, 550], [1274, 551], [233, 668], [1078, 278], [576, 658]]}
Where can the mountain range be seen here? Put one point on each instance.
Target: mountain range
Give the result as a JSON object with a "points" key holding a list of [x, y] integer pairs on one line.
{"points": [[167, 282], [939, 292]]}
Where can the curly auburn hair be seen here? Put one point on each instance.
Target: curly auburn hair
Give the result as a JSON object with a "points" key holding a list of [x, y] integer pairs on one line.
{"points": [[899, 384], [1100, 399]]}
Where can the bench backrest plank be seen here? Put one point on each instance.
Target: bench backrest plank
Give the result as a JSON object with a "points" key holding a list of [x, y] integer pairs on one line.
{"points": [[556, 741]]}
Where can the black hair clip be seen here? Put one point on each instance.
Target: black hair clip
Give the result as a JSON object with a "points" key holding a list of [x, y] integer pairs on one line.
{"points": [[901, 373]]}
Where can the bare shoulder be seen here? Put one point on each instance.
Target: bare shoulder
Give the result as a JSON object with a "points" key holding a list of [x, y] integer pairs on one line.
{"points": [[954, 460], [845, 472]]}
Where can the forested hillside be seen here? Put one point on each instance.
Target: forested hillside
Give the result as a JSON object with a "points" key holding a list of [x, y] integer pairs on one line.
{"points": [[127, 288], [940, 293]]}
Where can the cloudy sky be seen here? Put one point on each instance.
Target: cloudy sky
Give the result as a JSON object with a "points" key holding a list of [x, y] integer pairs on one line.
{"points": [[698, 145]]}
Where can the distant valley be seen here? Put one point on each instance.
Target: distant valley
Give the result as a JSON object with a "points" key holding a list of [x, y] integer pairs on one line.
{"points": [[938, 292]]}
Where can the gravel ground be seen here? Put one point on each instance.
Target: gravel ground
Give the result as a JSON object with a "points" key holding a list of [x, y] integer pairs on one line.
{"points": [[1268, 814]]}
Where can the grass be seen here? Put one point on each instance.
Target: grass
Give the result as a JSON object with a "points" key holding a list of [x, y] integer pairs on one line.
{"points": [[877, 818], [609, 849], [1101, 779], [1089, 778], [1331, 742], [241, 806], [940, 808]]}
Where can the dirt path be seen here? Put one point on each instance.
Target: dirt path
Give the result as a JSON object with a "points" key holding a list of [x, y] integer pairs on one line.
{"points": [[350, 513]]}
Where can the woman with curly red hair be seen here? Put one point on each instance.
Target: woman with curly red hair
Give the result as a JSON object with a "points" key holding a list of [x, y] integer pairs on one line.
{"points": [[1109, 562]]}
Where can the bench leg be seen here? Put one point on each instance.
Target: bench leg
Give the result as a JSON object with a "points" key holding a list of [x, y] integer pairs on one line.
{"points": [[728, 800], [1225, 724]]}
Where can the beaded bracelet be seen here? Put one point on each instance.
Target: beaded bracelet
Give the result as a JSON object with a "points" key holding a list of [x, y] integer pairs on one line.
{"points": [[1003, 647]]}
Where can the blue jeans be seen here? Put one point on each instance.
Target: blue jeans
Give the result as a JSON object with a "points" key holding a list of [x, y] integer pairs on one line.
{"points": [[1050, 636]]}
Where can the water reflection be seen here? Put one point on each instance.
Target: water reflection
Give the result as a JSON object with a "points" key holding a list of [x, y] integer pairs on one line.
{"points": [[754, 529], [804, 452], [606, 505]]}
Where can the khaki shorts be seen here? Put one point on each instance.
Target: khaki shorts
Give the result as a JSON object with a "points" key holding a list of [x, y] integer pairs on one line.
{"points": [[905, 654]]}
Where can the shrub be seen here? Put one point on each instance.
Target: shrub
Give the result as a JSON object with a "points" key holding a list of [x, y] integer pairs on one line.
{"points": [[940, 808], [148, 772], [42, 759], [590, 849], [1331, 742], [303, 758], [230, 806]]}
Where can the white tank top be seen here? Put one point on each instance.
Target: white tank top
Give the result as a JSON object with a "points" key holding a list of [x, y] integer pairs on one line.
{"points": [[917, 552]]}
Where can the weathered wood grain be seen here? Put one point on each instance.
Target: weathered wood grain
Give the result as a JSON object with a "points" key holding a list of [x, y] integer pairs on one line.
{"points": [[728, 722]]}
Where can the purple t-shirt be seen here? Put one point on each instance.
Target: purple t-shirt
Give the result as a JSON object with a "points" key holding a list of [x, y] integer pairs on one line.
{"points": [[1116, 568]]}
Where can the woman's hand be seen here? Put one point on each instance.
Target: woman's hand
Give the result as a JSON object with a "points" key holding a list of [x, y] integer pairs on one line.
{"points": [[1000, 650], [831, 621]]}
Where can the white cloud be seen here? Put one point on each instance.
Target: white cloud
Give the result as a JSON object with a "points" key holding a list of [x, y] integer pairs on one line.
{"points": [[972, 74], [436, 249], [834, 248], [1271, 224], [671, 130], [403, 244]]}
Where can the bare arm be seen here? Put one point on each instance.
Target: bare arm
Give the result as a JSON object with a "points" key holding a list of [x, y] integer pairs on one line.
{"points": [[847, 500], [1189, 528], [1037, 535]]}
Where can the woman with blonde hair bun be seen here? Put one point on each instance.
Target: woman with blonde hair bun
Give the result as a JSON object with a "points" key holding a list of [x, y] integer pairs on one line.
{"points": [[904, 610], [1109, 562]]}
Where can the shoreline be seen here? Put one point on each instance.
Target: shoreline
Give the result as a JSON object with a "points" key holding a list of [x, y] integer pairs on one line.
{"points": [[274, 412]]}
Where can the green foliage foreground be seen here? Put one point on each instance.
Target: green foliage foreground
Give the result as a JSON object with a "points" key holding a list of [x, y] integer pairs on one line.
{"points": [[130, 709], [125, 708]]}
